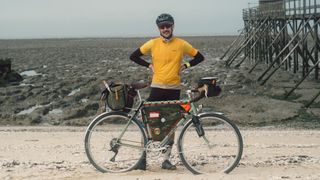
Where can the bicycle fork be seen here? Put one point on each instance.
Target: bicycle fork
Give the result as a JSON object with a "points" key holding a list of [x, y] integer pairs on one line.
{"points": [[198, 125], [200, 130]]}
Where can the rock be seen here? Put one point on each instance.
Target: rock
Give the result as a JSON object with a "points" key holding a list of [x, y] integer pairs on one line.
{"points": [[7, 75], [10, 164]]}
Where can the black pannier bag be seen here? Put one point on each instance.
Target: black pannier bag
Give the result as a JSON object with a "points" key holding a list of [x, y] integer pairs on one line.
{"points": [[211, 83], [161, 118]]}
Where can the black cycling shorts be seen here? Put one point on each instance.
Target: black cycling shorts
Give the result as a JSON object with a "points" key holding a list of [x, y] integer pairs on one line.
{"points": [[158, 94]]}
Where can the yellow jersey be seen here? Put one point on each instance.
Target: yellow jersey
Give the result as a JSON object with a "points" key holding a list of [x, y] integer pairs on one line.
{"points": [[166, 60]]}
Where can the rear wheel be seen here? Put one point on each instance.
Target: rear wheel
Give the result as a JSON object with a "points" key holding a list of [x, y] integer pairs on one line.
{"points": [[105, 151], [219, 150]]}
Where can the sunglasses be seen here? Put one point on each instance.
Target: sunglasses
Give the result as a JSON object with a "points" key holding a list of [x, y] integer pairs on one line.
{"points": [[165, 26]]}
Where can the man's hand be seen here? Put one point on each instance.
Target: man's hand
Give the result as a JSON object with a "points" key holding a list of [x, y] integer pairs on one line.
{"points": [[182, 67]]}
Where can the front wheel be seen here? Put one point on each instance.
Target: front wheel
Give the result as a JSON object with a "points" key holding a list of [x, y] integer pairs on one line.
{"points": [[114, 143], [218, 150]]}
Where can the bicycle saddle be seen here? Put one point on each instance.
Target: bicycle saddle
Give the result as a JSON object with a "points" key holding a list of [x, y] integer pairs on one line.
{"points": [[139, 85]]}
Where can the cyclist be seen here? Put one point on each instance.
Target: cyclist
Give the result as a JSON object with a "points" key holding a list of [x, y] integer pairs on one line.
{"points": [[167, 53]]}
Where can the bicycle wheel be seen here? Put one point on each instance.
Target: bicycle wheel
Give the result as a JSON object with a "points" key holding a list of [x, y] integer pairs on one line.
{"points": [[219, 150], [105, 151]]}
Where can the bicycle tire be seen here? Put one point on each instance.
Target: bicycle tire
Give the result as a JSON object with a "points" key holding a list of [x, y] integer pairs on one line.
{"points": [[103, 131], [206, 160]]}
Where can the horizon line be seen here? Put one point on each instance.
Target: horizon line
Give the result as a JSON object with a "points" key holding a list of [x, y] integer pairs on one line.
{"points": [[112, 36]]}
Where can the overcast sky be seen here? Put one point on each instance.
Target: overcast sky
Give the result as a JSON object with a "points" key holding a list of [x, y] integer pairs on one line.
{"points": [[121, 18]]}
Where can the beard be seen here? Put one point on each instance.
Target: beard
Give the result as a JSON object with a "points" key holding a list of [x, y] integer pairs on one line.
{"points": [[166, 34]]}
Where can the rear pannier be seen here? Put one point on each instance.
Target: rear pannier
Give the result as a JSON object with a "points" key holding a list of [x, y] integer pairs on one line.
{"points": [[119, 97]]}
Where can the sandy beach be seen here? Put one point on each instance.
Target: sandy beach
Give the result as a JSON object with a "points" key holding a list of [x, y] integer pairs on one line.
{"points": [[58, 153]]}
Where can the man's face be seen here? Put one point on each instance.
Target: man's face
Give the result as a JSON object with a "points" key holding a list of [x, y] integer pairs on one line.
{"points": [[166, 30]]}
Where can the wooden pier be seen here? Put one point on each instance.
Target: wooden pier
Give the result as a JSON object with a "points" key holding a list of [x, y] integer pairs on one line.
{"points": [[281, 34]]}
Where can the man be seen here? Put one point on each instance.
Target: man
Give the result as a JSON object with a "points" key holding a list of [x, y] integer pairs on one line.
{"points": [[167, 54]]}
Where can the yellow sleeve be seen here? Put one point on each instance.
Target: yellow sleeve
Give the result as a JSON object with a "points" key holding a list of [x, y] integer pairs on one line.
{"points": [[146, 47], [188, 49]]}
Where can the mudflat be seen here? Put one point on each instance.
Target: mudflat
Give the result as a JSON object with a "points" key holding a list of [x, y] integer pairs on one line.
{"points": [[62, 82]]}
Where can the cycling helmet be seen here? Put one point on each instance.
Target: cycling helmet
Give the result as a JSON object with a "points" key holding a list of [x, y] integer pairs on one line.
{"points": [[164, 19]]}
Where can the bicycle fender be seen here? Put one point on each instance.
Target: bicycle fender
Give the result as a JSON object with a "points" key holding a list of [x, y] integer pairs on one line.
{"points": [[214, 113]]}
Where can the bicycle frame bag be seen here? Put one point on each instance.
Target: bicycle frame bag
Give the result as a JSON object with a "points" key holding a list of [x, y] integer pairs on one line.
{"points": [[212, 88], [161, 118]]}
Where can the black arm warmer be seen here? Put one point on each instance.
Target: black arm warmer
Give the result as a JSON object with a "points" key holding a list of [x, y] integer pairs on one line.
{"points": [[136, 57], [198, 58]]}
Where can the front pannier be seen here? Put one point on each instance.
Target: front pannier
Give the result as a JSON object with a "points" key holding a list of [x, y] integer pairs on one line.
{"points": [[210, 86]]}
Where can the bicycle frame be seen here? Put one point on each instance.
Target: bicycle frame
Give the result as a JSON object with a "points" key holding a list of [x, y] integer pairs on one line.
{"points": [[192, 112]]}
